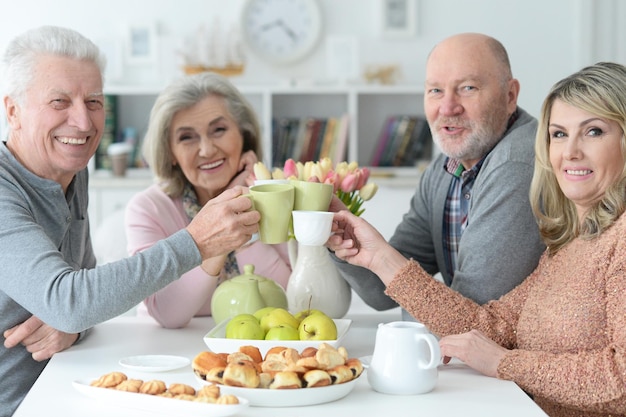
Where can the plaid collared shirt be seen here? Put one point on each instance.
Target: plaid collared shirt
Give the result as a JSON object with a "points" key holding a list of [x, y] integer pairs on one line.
{"points": [[455, 216], [456, 210]]}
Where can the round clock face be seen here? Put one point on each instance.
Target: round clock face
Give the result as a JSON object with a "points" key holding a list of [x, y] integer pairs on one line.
{"points": [[281, 31]]}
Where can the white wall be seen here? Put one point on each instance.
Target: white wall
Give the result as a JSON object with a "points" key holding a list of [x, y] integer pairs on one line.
{"points": [[546, 39]]}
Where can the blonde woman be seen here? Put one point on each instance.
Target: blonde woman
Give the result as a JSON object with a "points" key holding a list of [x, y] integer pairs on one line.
{"points": [[561, 334]]}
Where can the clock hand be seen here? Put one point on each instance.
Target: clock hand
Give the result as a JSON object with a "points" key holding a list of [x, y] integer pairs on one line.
{"points": [[270, 25], [287, 30]]}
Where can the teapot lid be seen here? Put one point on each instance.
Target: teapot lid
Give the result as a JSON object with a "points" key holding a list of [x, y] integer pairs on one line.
{"points": [[248, 272]]}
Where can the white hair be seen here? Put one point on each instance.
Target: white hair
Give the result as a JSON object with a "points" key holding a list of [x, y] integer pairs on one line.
{"points": [[20, 57]]}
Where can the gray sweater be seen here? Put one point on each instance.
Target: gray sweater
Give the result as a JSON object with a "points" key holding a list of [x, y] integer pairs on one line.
{"points": [[48, 268], [500, 245]]}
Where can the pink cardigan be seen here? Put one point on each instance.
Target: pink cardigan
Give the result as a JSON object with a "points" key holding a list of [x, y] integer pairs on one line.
{"points": [[565, 324], [152, 215]]}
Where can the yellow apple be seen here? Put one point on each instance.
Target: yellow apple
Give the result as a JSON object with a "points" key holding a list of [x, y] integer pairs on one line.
{"points": [[301, 315], [317, 327], [244, 326], [282, 333], [277, 317], [261, 312], [240, 317]]}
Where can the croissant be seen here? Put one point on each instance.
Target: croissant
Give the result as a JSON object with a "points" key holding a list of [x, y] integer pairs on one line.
{"points": [[286, 380], [241, 374]]}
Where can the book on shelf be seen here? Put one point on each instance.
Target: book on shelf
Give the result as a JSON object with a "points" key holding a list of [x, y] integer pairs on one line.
{"points": [[292, 136], [304, 125], [394, 144], [386, 132], [308, 153], [328, 138], [276, 133], [102, 160], [420, 145], [305, 141], [282, 136], [315, 152], [309, 139], [404, 139], [340, 144]]}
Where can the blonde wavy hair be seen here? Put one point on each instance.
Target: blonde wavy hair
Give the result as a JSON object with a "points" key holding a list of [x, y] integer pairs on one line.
{"points": [[599, 89]]}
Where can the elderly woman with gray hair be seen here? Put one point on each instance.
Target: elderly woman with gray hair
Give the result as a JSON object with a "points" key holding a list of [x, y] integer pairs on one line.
{"points": [[203, 138]]}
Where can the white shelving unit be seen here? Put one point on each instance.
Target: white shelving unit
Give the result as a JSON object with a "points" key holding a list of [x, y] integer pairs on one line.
{"points": [[368, 107]]}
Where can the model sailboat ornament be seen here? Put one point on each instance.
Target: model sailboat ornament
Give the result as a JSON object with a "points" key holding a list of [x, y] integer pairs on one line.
{"points": [[215, 50]]}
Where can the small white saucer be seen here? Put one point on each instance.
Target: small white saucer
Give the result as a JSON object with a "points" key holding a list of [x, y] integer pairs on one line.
{"points": [[154, 363]]}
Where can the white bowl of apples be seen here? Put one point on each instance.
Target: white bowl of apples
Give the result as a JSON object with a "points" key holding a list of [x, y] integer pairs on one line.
{"points": [[270, 327]]}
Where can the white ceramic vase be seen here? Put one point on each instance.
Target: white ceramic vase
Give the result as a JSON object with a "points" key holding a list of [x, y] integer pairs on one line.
{"points": [[315, 282]]}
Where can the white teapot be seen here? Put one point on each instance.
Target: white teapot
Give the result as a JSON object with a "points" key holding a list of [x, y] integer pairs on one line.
{"points": [[405, 359]]}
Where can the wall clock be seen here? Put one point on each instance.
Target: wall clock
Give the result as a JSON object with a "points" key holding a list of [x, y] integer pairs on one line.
{"points": [[281, 31]]}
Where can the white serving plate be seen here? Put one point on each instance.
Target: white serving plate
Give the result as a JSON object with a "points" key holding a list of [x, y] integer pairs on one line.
{"points": [[216, 341], [160, 405], [154, 363], [263, 397]]}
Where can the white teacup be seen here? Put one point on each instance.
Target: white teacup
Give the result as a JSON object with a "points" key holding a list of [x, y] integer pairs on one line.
{"points": [[270, 181], [405, 359], [312, 228]]}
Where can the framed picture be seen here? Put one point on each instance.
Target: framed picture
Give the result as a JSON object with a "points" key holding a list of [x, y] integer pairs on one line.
{"points": [[398, 18], [141, 44], [342, 57]]}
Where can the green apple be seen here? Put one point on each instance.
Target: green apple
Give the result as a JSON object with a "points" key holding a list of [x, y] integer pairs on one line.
{"points": [[317, 327], [261, 312], [244, 326], [278, 317], [240, 317], [301, 315], [244, 316], [282, 333]]}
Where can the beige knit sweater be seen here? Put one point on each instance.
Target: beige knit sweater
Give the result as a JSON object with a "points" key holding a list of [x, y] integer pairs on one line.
{"points": [[565, 325]]}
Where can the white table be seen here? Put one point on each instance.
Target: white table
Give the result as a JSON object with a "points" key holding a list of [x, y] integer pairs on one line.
{"points": [[460, 390]]}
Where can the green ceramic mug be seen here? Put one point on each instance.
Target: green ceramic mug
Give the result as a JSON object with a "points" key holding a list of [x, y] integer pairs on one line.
{"points": [[275, 203], [312, 196]]}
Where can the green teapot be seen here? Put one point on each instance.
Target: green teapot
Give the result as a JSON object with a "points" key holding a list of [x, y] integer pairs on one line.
{"points": [[246, 293]]}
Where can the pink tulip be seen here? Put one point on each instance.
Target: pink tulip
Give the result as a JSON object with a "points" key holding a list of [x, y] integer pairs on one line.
{"points": [[329, 174], [349, 183], [366, 173], [290, 169], [332, 178], [359, 179]]}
